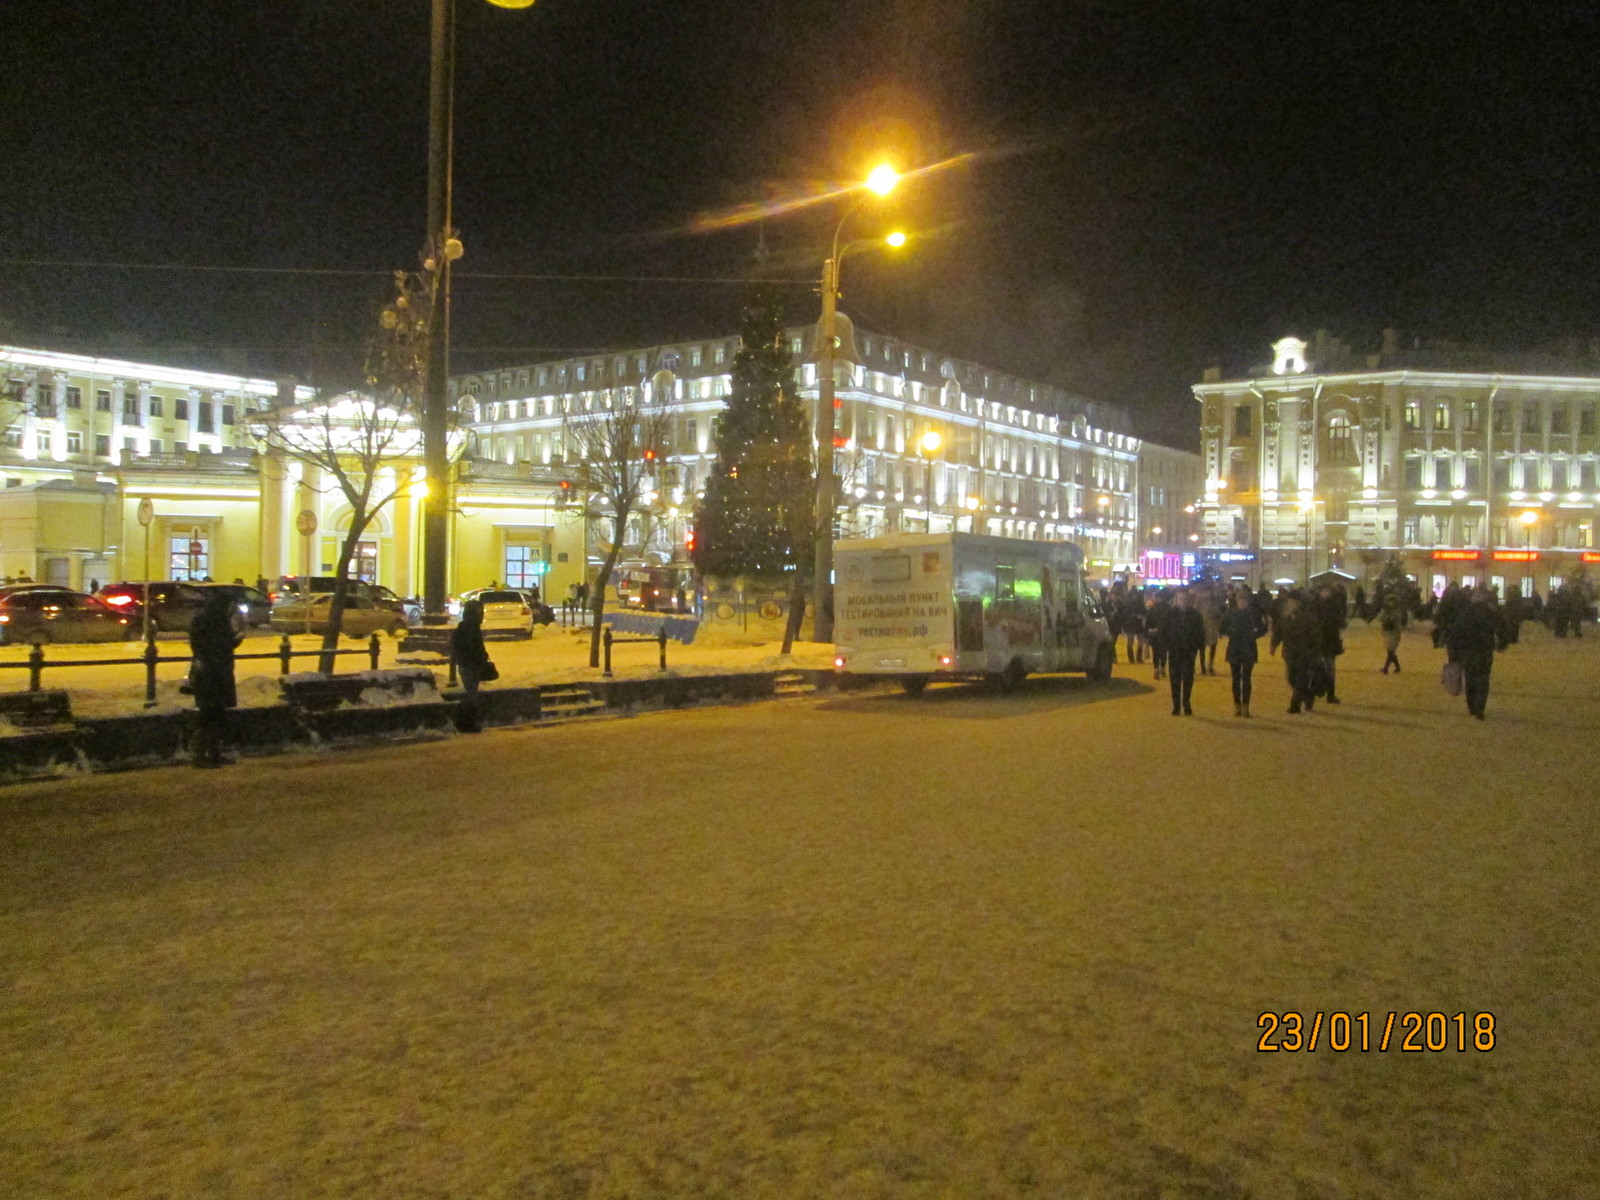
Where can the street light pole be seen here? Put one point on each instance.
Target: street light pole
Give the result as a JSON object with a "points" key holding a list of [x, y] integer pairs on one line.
{"points": [[436, 395]]}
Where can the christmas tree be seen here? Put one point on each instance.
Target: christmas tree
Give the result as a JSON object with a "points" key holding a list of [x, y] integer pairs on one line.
{"points": [[756, 517]]}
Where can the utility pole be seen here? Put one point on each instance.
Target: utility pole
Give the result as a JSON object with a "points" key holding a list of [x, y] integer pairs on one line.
{"points": [[436, 397], [822, 570]]}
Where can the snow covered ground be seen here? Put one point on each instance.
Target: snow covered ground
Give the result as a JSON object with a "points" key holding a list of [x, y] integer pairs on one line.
{"points": [[554, 654], [851, 946]]}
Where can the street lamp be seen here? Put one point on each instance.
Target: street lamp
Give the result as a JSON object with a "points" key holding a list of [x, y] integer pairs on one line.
{"points": [[1306, 507], [931, 441], [442, 248], [1529, 519], [880, 182]]}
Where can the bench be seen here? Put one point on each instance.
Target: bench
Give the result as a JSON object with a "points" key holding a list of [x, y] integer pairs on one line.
{"points": [[36, 710], [318, 693]]}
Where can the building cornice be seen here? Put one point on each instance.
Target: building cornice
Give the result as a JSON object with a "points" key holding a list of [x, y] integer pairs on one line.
{"points": [[1295, 383]]}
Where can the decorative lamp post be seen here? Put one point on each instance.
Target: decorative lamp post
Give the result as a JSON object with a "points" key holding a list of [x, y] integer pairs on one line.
{"points": [[442, 249], [880, 182], [1307, 506], [930, 444], [1529, 519]]}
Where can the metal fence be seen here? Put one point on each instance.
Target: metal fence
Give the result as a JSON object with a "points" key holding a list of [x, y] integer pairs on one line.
{"points": [[37, 663]]}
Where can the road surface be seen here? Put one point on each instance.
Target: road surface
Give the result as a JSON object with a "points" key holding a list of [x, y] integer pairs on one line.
{"points": [[868, 946]]}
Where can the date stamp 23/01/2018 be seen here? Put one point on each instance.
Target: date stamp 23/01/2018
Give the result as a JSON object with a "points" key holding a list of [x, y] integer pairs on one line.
{"points": [[1341, 1032]]}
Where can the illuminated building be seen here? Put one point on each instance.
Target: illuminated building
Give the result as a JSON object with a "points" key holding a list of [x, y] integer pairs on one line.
{"points": [[1329, 458]]}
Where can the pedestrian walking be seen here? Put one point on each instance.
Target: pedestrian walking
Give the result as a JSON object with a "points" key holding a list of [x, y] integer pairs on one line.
{"points": [[1329, 610], [1470, 643], [1242, 625], [1133, 624], [471, 662], [1209, 603], [1391, 623], [1155, 620], [212, 639], [1296, 629], [1185, 636]]}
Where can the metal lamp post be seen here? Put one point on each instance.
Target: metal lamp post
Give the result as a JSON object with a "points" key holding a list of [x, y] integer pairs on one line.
{"points": [[1306, 507], [442, 248], [1529, 519], [881, 182], [931, 442]]}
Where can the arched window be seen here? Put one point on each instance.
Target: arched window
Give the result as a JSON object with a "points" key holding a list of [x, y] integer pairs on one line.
{"points": [[1341, 443]]}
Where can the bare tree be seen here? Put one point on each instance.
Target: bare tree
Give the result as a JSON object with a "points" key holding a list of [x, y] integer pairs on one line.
{"points": [[618, 447], [358, 440]]}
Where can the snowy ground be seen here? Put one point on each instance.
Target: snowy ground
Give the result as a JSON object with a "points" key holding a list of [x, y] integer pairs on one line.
{"points": [[554, 654], [858, 946]]}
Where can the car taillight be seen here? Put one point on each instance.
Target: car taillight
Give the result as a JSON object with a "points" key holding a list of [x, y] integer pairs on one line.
{"points": [[839, 661], [119, 601], [526, 611]]}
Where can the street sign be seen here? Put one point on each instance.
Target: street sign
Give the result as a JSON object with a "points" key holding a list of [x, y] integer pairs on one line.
{"points": [[306, 522], [147, 512]]}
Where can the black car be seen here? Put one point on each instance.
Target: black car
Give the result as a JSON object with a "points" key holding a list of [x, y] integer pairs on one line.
{"points": [[173, 603], [254, 606], [57, 614]]}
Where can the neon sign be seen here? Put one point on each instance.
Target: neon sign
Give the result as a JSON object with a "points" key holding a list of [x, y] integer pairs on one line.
{"points": [[1516, 556], [1457, 555]]}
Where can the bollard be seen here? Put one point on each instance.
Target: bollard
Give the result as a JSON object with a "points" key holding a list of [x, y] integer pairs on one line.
{"points": [[607, 640], [662, 638], [284, 650], [150, 660], [35, 666], [451, 682], [372, 649]]}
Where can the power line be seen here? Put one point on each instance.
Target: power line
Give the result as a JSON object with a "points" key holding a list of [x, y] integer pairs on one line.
{"points": [[539, 277]]}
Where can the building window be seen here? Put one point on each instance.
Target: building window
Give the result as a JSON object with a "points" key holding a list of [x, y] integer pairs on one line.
{"points": [[1408, 531], [1469, 416], [582, 372], [1441, 416], [1530, 419], [130, 410], [102, 441], [188, 558], [1502, 419], [365, 563], [74, 442], [180, 447], [1471, 474], [13, 439], [155, 406], [180, 410], [1558, 474], [227, 414], [41, 441], [44, 399], [102, 401], [203, 413], [1558, 419], [1413, 473], [155, 445], [523, 566], [1413, 415], [1585, 420], [74, 397]]}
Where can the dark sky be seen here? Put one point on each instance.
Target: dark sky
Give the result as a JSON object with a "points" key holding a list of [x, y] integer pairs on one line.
{"points": [[1155, 184]]}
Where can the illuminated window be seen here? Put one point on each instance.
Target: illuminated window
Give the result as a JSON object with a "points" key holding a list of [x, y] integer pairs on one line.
{"points": [[523, 566], [1413, 415], [74, 397], [102, 445], [155, 406], [188, 558], [1469, 416], [1441, 416], [74, 443], [102, 401]]}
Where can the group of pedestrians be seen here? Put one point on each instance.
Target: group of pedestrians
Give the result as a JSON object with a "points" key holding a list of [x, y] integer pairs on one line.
{"points": [[1182, 628]]}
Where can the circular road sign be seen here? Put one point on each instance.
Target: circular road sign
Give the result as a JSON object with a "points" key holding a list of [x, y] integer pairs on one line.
{"points": [[306, 522], [147, 511]]}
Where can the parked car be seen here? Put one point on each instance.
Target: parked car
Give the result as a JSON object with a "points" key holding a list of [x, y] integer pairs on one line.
{"points": [[173, 603], [253, 604], [361, 617], [54, 614], [291, 586], [506, 608]]}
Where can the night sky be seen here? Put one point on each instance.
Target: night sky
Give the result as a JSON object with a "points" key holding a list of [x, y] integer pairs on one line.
{"points": [[1154, 185]]}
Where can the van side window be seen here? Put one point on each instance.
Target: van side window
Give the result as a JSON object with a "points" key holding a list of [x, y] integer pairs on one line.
{"points": [[1005, 583]]}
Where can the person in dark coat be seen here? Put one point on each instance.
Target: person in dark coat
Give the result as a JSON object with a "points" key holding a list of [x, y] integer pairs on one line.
{"points": [[1184, 635], [1392, 623], [1471, 641], [1155, 621], [1242, 625], [212, 640], [471, 659], [1297, 630], [1330, 610], [1133, 624]]}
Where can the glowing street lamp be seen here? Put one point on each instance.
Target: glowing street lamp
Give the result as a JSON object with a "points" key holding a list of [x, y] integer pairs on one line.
{"points": [[931, 442], [880, 182]]}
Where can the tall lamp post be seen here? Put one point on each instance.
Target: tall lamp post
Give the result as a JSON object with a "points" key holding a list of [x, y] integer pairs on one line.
{"points": [[442, 248], [881, 182], [1529, 519], [1307, 506], [930, 444]]}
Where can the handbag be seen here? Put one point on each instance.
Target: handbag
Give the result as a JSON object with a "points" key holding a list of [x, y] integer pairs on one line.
{"points": [[489, 673], [1453, 678]]}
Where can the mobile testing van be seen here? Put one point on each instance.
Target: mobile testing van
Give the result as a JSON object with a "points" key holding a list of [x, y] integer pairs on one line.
{"points": [[922, 607]]}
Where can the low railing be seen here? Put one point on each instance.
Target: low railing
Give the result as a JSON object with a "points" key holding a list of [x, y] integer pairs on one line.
{"points": [[609, 640], [37, 663]]}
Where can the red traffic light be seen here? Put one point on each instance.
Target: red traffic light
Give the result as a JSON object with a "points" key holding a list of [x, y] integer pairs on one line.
{"points": [[649, 455]]}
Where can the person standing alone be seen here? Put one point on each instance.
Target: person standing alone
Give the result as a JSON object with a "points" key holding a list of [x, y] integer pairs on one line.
{"points": [[1242, 625], [212, 639], [471, 660], [1471, 640], [1392, 623], [1184, 635]]}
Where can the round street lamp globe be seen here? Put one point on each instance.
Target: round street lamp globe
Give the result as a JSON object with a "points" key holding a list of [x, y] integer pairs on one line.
{"points": [[882, 179], [1529, 518], [931, 441], [896, 239]]}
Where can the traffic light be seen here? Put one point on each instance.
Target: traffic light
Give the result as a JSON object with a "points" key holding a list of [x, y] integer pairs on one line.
{"points": [[565, 494], [688, 541], [649, 454]]}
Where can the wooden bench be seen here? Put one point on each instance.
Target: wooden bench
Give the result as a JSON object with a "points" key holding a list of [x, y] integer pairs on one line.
{"points": [[317, 693], [36, 710]]}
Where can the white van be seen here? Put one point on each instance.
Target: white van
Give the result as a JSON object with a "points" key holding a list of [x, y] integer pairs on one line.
{"points": [[964, 606]]}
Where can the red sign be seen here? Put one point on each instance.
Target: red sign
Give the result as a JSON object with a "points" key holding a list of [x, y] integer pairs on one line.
{"points": [[1516, 556], [1457, 555], [1591, 556]]}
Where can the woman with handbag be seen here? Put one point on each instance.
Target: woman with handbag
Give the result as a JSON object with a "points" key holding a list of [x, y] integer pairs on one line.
{"points": [[472, 661]]}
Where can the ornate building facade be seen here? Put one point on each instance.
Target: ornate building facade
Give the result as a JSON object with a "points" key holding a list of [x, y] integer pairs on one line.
{"points": [[1467, 466]]}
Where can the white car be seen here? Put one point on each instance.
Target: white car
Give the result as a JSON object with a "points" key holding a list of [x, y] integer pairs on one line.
{"points": [[503, 608], [361, 617]]}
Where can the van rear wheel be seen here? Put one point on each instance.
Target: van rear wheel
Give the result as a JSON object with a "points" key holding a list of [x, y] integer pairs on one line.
{"points": [[1101, 671], [1010, 679], [914, 685]]}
